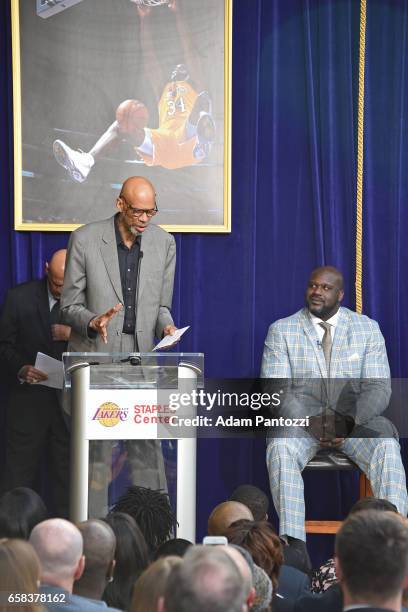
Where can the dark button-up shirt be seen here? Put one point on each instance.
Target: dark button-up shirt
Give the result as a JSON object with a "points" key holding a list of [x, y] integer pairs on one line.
{"points": [[128, 266]]}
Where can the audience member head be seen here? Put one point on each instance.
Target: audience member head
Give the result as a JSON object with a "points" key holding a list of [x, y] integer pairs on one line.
{"points": [[261, 582], [260, 539], [176, 547], [58, 545], [225, 514], [152, 512], [206, 579], [19, 572], [254, 498], [241, 557], [373, 503], [263, 591], [55, 271], [372, 559], [20, 510], [131, 558], [151, 584], [99, 550]]}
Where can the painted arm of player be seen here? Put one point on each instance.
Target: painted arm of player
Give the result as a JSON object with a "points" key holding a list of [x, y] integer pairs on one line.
{"points": [[191, 55], [152, 69]]}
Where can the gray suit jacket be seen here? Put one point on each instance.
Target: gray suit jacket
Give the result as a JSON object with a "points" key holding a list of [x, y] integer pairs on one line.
{"points": [[92, 285]]}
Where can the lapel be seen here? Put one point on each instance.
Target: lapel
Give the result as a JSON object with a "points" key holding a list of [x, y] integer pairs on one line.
{"points": [[110, 258], [313, 338], [338, 341], [147, 246], [43, 307]]}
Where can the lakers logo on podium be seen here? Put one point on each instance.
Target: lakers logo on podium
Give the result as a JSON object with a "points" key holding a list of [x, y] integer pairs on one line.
{"points": [[110, 414]]}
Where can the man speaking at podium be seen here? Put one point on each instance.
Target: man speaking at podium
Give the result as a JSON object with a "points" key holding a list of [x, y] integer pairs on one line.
{"points": [[118, 291], [120, 271]]}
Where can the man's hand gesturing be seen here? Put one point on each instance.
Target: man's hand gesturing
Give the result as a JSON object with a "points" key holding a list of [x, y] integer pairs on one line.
{"points": [[101, 322]]}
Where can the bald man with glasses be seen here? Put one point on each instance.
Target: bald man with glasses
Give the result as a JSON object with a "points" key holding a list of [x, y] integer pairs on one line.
{"points": [[119, 277], [118, 289]]}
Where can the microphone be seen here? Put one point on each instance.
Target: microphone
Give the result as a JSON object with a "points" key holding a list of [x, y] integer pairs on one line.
{"points": [[134, 360], [319, 343]]}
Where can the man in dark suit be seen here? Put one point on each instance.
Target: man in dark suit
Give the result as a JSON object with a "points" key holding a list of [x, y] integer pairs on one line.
{"points": [[372, 561], [29, 324]]}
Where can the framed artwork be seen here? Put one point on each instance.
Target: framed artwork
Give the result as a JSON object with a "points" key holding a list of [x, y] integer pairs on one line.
{"points": [[107, 89]]}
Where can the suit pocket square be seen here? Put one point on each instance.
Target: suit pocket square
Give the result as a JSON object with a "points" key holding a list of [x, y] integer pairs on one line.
{"points": [[354, 357]]}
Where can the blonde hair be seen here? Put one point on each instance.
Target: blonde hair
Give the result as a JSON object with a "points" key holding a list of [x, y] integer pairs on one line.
{"points": [[150, 586], [20, 572]]}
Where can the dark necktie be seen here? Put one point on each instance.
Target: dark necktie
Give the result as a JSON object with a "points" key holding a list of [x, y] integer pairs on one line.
{"points": [[55, 313], [59, 345], [327, 343]]}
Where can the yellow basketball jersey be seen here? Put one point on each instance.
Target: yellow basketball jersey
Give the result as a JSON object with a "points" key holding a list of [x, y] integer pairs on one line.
{"points": [[170, 147], [176, 104]]}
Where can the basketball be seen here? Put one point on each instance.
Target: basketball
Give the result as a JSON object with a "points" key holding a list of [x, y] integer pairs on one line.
{"points": [[131, 115]]}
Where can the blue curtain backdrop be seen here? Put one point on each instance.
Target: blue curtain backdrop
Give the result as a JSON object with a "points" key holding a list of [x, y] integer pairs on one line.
{"points": [[295, 79]]}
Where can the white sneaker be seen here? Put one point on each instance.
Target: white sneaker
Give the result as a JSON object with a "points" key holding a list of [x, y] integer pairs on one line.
{"points": [[77, 163]]}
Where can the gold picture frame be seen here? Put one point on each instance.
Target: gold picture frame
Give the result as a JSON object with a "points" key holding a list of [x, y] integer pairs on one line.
{"points": [[191, 198]]}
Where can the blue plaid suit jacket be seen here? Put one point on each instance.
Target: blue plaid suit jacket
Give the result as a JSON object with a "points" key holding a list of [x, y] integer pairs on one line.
{"points": [[293, 351]]}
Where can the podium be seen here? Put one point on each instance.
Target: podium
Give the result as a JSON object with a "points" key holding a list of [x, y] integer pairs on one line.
{"points": [[122, 401]]}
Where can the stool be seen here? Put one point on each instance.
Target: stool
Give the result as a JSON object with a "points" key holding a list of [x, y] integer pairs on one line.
{"points": [[334, 460]]}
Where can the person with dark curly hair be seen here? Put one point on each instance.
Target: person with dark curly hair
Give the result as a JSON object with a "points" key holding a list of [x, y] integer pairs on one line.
{"points": [[152, 512]]}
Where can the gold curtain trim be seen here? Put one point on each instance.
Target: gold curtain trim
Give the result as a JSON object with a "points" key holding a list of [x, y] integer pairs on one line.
{"points": [[360, 159]]}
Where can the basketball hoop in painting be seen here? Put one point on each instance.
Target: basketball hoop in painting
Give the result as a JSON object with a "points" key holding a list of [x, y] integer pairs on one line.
{"points": [[150, 2]]}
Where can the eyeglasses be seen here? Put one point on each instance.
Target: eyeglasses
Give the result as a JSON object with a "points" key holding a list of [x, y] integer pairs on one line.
{"points": [[138, 212]]}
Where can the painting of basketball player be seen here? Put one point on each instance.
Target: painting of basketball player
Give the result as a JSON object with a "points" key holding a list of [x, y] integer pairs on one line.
{"points": [[186, 129]]}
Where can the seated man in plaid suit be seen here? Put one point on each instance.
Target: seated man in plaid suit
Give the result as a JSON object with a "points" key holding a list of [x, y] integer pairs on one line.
{"points": [[336, 372]]}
